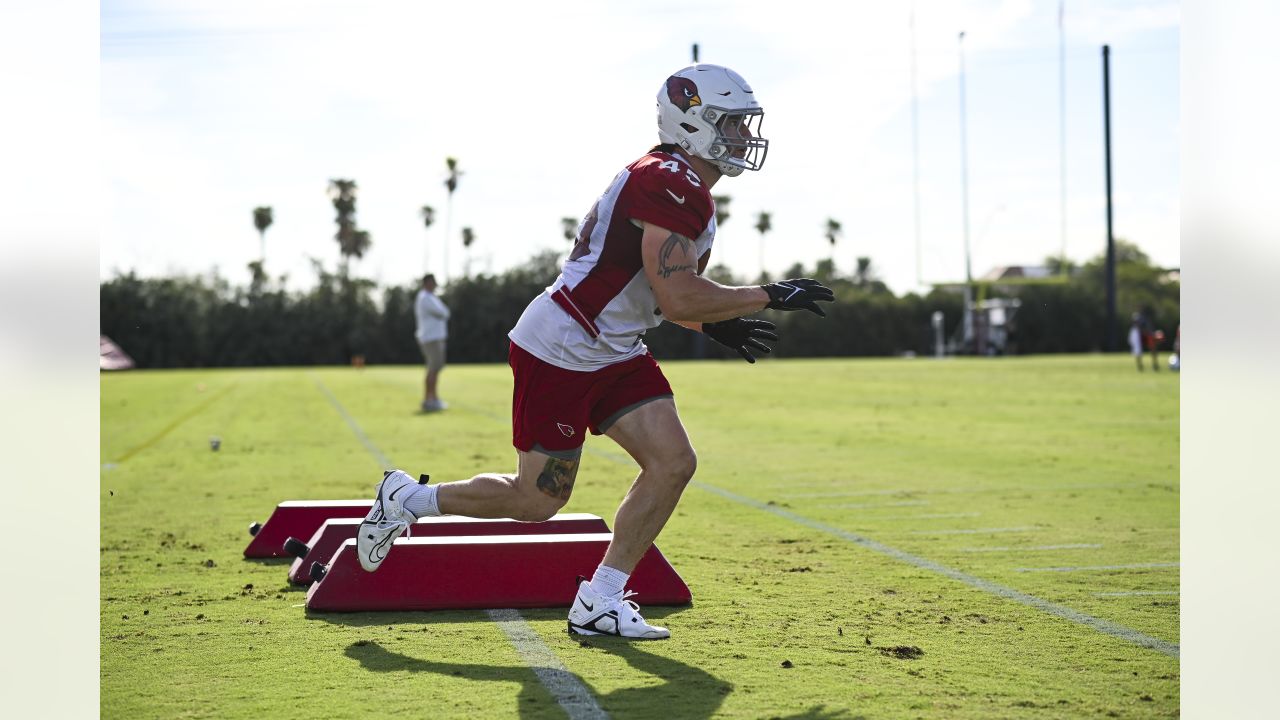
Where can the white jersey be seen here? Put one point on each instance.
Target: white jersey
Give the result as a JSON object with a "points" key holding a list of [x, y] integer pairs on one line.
{"points": [[598, 309], [432, 317]]}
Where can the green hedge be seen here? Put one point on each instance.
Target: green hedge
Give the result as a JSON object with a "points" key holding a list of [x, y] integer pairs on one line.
{"points": [[207, 322]]}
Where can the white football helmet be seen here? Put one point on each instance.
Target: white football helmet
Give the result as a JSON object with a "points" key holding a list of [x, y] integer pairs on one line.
{"points": [[710, 111]]}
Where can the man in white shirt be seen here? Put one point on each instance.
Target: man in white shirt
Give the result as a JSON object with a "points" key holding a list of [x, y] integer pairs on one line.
{"points": [[433, 321]]}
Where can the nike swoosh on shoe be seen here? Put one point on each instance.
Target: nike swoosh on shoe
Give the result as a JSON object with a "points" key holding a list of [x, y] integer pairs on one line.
{"points": [[383, 546]]}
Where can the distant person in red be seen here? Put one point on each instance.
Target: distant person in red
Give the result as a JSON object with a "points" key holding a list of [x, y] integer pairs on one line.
{"points": [[578, 356], [1151, 338]]}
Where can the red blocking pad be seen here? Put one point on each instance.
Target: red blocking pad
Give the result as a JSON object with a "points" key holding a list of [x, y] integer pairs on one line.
{"points": [[299, 519], [331, 534], [493, 571]]}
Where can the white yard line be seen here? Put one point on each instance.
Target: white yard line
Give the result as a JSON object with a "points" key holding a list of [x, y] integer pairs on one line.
{"points": [[856, 493], [975, 531], [1086, 568], [866, 506], [563, 685], [1034, 548], [351, 423], [932, 516], [1062, 611], [952, 490]]}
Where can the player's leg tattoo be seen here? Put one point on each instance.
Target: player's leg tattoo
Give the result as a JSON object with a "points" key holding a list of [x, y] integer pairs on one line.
{"points": [[557, 476]]}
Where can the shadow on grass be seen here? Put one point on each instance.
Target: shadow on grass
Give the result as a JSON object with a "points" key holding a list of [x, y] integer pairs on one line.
{"points": [[819, 712], [432, 617], [408, 618], [269, 562], [687, 691]]}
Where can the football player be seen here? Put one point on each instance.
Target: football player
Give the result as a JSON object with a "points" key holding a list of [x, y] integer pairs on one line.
{"points": [[578, 357]]}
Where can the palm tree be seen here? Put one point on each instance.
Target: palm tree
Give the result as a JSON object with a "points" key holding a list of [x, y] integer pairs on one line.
{"points": [[764, 223], [352, 242], [360, 244], [833, 234], [451, 183], [468, 237], [722, 208], [257, 278], [570, 227], [262, 220], [428, 214], [864, 274]]}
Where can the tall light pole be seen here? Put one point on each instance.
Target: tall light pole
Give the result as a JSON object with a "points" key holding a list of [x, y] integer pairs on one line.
{"points": [[1108, 343], [915, 145], [428, 214], [1062, 135], [964, 201]]}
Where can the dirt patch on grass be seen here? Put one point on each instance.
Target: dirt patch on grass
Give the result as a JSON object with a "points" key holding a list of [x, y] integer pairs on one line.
{"points": [[902, 652]]}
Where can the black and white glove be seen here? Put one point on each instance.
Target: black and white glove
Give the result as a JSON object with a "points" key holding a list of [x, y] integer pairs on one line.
{"points": [[743, 335], [800, 294]]}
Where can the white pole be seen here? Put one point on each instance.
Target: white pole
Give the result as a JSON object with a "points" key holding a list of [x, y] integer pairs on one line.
{"points": [[448, 222], [915, 145], [937, 334], [964, 199], [426, 256], [1062, 132]]}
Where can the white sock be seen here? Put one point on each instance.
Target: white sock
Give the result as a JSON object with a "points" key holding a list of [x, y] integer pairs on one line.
{"points": [[608, 581], [422, 501]]}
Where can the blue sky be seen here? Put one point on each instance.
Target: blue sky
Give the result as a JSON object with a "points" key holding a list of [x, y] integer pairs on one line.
{"points": [[212, 108]]}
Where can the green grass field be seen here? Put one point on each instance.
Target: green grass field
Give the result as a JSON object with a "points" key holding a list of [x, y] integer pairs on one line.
{"points": [[864, 538]]}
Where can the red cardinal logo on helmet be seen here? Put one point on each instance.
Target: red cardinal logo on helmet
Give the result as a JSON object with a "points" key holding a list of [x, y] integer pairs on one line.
{"points": [[682, 92]]}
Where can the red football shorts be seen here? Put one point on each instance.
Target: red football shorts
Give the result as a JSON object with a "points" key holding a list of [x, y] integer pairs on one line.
{"points": [[552, 408]]}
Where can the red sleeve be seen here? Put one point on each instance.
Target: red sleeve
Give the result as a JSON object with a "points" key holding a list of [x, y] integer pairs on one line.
{"points": [[655, 194]]}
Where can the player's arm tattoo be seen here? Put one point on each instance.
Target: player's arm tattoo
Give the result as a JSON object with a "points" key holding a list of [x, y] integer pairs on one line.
{"points": [[557, 476], [666, 263]]}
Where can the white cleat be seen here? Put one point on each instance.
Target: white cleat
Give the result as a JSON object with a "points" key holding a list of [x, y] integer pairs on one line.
{"points": [[595, 614], [386, 521]]}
